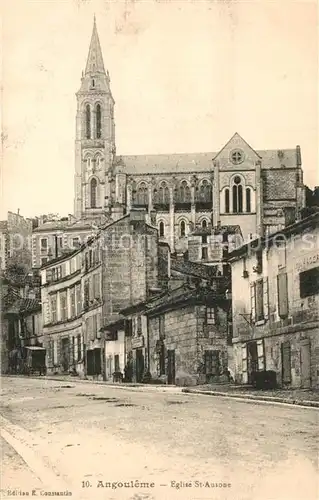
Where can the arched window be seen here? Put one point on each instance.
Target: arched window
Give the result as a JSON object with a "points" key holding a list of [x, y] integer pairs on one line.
{"points": [[98, 121], [88, 121], [248, 200], [88, 161], [142, 194], [204, 224], [227, 201], [97, 161], [237, 195], [93, 82], [182, 228], [205, 192], [184, 193], [161, 229], [93, 187], [163, 194]]}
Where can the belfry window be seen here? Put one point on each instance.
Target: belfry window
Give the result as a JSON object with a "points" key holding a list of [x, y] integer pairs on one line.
{"points": [[93, 193], [182, 228], [161, 229], [98, 121], [237, 195], [204, 224], [88, 121]]}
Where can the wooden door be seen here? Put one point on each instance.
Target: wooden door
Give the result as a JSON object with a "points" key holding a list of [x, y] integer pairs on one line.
{"points": [[286, 362], [305, 363], [171, 366]]}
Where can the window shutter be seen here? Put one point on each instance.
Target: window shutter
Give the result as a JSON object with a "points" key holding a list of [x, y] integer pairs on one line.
{"points": [[260, 354], [75, 348], [91, 328], [244, 362], [266, 298], [253, 302], [282, 290], [98, 320]]}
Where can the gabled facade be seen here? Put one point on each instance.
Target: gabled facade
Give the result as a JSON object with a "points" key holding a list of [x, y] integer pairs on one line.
{"points": [[275, 306]]}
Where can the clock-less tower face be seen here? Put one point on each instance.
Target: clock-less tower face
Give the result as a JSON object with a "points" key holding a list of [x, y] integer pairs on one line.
{"points": [[95, 136]]}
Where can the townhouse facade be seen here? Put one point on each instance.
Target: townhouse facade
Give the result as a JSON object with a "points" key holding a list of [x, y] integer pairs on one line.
{"points": [[62, 306], [275, 306]]}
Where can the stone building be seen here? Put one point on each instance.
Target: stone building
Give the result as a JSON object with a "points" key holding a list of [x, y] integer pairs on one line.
{"points": [[180, 334], [84, 291], [259, 191], [275, 305], [62, 307], [15, 241]]}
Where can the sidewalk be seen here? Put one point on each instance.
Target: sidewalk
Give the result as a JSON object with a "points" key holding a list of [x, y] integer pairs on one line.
{"points": [[301, 397]]}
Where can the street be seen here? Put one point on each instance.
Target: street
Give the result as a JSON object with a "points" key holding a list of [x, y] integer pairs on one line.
{"points": [[103, 442]]}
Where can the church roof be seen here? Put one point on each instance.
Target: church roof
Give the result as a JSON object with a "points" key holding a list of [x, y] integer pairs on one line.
{"points": [[95, 62], [199, 162]]}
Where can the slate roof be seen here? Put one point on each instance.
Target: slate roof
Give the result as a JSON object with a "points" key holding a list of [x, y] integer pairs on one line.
{"points": [[194, 269], [190, 162], [24, 306], [64, 225]]}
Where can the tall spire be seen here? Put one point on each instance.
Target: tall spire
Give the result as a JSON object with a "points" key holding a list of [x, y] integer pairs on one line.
{"points": [[95, 62]]}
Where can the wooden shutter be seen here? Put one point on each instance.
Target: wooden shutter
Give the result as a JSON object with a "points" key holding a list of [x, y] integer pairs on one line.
{"points": [[261, 354], [282, 291], [253, 301], [266, 298], [75, 349], [244, 363], [215, 362], [98, 325], [208, 362]]}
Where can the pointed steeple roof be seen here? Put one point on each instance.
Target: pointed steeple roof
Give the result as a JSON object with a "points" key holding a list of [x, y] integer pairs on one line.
{"points": [[95, 62]]}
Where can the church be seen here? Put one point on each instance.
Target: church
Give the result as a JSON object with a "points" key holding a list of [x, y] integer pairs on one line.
{"points": [[186, 196]]}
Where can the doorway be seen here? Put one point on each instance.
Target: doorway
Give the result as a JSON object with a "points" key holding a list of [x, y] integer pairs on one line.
{"points": [[139, 365], [65, 358], [171, 366], [252, 361], [305, 358]]}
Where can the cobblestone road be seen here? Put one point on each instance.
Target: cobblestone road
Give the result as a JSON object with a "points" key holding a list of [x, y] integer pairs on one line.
{"points": [[84, 438]]}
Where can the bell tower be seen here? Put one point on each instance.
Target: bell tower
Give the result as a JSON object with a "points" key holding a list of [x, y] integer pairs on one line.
{"points": [[95, 137]]}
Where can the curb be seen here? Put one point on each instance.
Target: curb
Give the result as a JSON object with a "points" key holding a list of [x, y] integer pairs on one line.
{"points": [[252, 398]]}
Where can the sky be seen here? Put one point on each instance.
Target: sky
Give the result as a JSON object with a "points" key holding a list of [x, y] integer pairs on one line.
{"points": [[185, 75]]}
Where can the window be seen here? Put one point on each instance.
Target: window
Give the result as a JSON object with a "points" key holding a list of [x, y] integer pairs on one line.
{"points": [[204, 224], [204, 238], [96, 286], [93, 193], [161, 327], [210, 316], [282, 291], [162, 196], [44, 260], [88, 121], [98, 121], [142, 195], [53, 301], [73, 304], [259, 300], [44, 243], [237, 156], [63, 306], [248, 200], [205, 192], [204, 253], [211, 362], [309, 282], [227, 201], [75, 242], [237, 195], [182, 229], [259, 261], [161, 229], [184, 194]]}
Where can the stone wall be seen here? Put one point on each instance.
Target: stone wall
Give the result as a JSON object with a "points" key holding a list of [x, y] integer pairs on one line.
{"points": [[186, 334]]}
